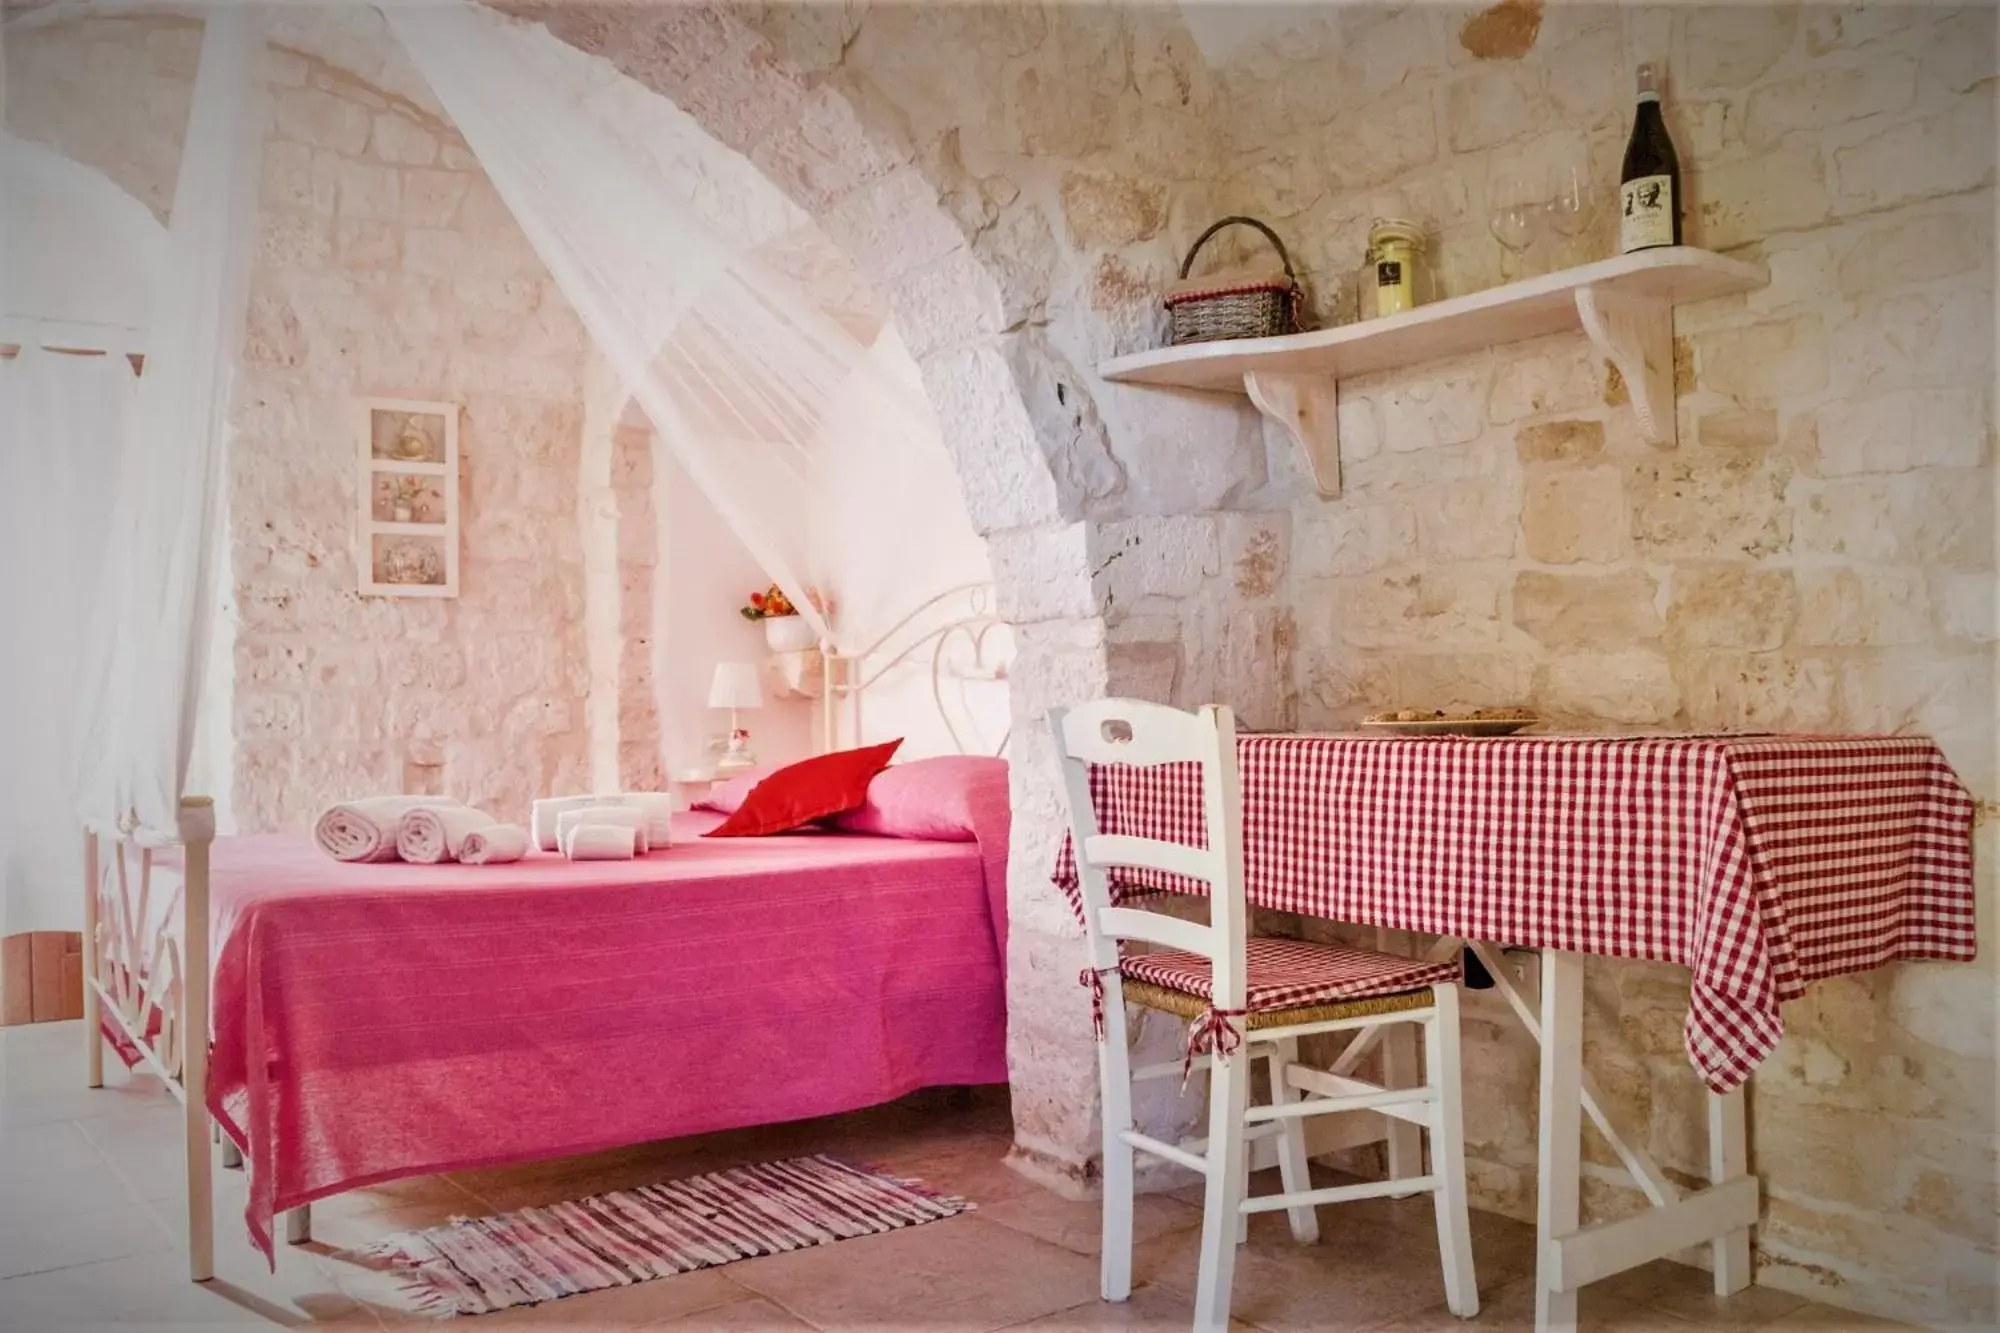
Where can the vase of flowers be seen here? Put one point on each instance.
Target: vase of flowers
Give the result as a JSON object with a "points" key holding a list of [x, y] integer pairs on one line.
{"points": [[406, 495], [785, 630]]}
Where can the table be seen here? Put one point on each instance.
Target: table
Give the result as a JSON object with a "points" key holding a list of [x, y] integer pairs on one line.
{"points": [[1762, 863], [689, 785]]}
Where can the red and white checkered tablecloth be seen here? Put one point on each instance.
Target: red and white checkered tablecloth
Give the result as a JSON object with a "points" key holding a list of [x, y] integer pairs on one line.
{"points": [[1763, 863]]}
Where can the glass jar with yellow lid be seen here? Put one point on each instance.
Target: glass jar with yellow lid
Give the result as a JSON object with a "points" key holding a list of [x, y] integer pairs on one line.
{"points": [[1395, 252]]}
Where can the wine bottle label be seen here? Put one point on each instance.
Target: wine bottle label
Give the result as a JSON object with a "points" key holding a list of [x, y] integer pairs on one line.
{"points": [[1645, 213]]}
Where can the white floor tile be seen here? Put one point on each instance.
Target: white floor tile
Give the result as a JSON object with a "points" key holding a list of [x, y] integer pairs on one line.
{"points": [[34, 1243], [154, 1289], [38, 1152]]}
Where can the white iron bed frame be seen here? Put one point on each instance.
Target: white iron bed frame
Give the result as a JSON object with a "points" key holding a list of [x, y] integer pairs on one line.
{"points": [[143, 968], [134, 968], [970, 621]]}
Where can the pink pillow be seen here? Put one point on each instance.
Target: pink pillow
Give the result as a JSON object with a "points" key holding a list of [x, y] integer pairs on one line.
{"points": [[796, 795], [935, 799], [726, 798]]}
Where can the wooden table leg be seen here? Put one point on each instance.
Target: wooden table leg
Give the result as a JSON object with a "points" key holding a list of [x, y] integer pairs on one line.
{"points": [[1571, 1256], [1728, 1158], [1558, 1199]]}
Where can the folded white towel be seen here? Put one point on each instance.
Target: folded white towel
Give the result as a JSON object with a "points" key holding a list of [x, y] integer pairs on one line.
{"points": [[365, 830], [658, 807], [600, 842], [619, 816], [542, 822], [493, 844], [433, 833]]}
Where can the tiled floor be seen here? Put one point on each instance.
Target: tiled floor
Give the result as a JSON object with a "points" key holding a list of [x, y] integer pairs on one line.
{"points": [[90, 1235]]}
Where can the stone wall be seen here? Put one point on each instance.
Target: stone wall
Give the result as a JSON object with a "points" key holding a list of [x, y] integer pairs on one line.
{"points": [[386, 266], [640, 766]]}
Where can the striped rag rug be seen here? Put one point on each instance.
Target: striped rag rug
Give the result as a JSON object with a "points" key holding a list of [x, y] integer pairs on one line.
{"points": [[482, 1264]]}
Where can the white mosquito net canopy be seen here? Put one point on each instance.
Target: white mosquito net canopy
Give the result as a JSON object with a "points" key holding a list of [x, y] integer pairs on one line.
{"points": [[740, 332]]}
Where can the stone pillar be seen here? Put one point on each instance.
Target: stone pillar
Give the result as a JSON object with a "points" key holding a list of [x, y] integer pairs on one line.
{"points": [[1136, 608], [1045, 592]]}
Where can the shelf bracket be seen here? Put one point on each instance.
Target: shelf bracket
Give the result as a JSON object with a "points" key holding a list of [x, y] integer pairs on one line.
{"points": [[1636, 334], [1305, 406]]}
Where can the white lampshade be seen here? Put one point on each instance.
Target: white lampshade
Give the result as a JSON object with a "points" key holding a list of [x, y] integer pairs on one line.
{"points": [[735, 686]]}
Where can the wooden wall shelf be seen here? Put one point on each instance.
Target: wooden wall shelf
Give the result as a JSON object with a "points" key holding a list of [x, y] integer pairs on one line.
{"points": [[1625, 305]]}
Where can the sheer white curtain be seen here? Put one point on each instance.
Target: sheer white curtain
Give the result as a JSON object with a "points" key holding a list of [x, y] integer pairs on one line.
{"points": [[739, 363], [63, 424], [151, 628]]}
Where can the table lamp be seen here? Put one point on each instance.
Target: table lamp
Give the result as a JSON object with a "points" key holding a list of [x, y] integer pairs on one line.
{"points": [[735, 687]]}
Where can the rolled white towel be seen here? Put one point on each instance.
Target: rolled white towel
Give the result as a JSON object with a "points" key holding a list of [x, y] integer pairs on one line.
{"points": [[493, 844], [542, 822], [365, 830], [433, 833], [620, 816], [600, 842]]}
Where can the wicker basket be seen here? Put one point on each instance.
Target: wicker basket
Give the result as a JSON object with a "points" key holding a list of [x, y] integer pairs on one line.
{"points": [[1256, 307]]}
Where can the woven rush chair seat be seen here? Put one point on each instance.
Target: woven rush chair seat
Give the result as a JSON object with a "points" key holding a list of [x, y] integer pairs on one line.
{"points": [[1290, 981]]}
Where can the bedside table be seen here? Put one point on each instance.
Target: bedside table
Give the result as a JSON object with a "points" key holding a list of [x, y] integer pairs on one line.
{"points": [[691, 784]]}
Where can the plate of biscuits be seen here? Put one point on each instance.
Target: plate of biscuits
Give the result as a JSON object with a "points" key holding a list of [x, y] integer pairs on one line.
{"points": [[1436, 722]]}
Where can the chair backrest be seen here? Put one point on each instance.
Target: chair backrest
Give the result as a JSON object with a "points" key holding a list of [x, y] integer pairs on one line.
{"points": [[1130, 731]]}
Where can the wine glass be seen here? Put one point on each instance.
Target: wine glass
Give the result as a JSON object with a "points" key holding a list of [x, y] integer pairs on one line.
{"points": [[1516, 218], [1572, 205]]}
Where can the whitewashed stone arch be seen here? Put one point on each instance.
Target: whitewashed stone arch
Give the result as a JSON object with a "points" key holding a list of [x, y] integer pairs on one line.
{"points": [[871, 201]]}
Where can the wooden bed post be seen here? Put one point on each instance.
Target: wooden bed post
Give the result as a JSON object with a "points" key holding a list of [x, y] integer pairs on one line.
{"points": [[197, 829], [93, 1036]]}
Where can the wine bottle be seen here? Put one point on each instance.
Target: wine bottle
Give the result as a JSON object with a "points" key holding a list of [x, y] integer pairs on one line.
{"points": [[1649, 190]]}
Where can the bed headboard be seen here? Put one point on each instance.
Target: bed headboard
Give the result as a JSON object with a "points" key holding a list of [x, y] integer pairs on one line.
{"points": [[957, 636]]}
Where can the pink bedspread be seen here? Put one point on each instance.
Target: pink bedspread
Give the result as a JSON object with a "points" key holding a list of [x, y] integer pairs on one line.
{"points": [[377, 1021]]}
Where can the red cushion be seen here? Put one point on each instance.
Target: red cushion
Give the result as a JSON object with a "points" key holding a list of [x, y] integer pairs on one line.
{"points": [[796, 795]]}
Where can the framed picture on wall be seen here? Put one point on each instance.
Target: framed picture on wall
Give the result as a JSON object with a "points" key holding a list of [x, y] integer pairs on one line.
{"points": [[408, 498]]}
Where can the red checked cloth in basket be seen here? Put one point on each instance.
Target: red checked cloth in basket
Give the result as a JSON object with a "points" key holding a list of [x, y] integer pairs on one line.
{"points": [[1762, 863]]}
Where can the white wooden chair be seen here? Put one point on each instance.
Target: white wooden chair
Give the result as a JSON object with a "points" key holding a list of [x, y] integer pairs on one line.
{"points": [[1232, 987]]}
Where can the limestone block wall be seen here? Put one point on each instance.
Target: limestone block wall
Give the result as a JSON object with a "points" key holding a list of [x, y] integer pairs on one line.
{"points": [[386, 266], [409, 280], [1816, 553], [640, 767]]}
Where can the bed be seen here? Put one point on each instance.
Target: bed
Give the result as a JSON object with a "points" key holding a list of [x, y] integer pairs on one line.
{"points": [[376, 1021]]}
